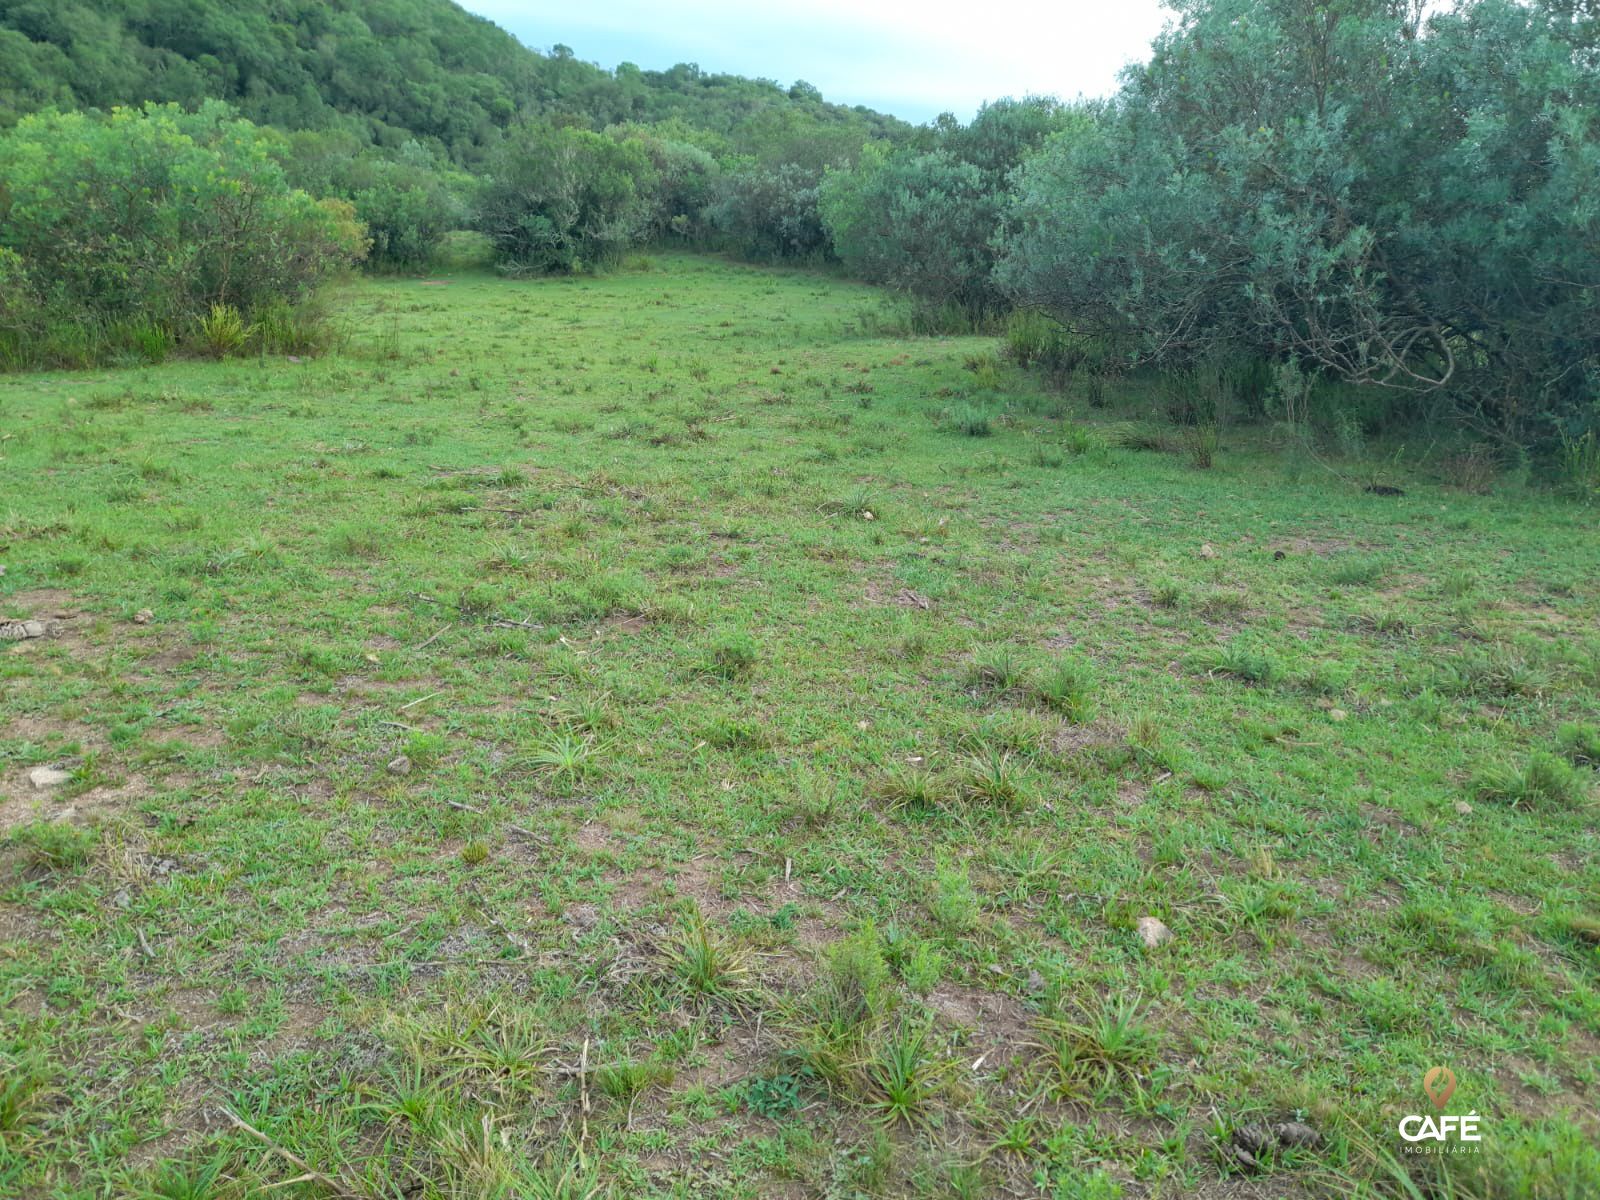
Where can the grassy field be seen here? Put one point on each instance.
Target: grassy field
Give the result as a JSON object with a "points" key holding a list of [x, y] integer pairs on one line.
{"points": [[660, 734]]}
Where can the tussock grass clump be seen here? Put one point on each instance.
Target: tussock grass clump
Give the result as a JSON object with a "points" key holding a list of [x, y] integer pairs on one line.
{"points": [[731, 656], [564, 756], [969, 421], [1357, 570], [1102, 1046], [708, 965], [1545, 781], [1579, 744], [1241, 663], [996, 669], [1495, 672], [55, 847], [993, 778], [1068, 688], [900, 1075], [912, 789], [853, 994]]}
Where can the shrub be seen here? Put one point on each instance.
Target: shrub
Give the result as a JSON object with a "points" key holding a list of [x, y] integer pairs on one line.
{"points": [[121, 230], [223, 331]]}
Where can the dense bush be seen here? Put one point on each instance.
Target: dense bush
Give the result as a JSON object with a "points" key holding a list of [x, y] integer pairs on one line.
{"points": [[1388, 200], [134, 225], [563, 199], [920, 223], [923, 220], [770, 212]]}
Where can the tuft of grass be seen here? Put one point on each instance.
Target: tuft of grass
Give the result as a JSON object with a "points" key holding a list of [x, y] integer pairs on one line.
{"points": [[1068, 688], [996, 669], [1579, 744], [55, 847], [900, 1075], [970, 421], [223, 331], [913, 789], [564, 756], [994, 779], [1545, 781], [706, 964], [1102, 1047], [853, 993], [1239, 662], [732, 656], [1350, 570], [23, 1093]]}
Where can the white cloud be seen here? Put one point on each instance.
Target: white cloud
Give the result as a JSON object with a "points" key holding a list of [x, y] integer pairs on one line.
{"points": [[914, 58]]}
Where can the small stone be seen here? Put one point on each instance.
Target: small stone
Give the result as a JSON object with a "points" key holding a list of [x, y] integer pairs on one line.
{"points": [[866, 515], [1153, 932], [17, 631], [44, 778], [400, 765], [1337, 714], [1207, 551], [143, 617], [1463, 808]]}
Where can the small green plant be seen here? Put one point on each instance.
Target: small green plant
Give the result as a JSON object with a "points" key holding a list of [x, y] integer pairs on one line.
{"points": [[564, 756], [1238, 662], [1356, 570], [1578, 465], [996, 669], [900, 1076], [23, 1093], [626, 1081], [993, 778], [910, 788], [55, 846], [223, 331], [970, 421], [776, 1095]]}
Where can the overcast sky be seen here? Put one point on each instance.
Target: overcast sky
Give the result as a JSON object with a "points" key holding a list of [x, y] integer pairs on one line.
{"points": [[912, 58]]}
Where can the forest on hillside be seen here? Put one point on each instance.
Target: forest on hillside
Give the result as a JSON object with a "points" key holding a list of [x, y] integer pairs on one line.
{"points": [[1367, 215]]}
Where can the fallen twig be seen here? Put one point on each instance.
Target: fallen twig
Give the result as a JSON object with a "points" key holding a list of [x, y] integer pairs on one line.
{"points": [[309, 1174]]}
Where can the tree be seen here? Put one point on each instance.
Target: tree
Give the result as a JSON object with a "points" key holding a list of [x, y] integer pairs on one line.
{"points": [[564, 199]]}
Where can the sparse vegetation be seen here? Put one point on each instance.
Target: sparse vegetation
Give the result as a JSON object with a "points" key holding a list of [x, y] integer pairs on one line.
{"points": [[436, 760]]}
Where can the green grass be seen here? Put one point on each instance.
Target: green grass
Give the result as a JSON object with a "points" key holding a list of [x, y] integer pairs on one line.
{"points": [[785, 773]]}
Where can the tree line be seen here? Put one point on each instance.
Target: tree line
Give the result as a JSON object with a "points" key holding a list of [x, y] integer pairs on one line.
{"points": [[1379, 205]]}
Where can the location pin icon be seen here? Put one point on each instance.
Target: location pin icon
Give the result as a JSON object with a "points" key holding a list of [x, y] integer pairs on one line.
{"points": [[1440, 1084]]}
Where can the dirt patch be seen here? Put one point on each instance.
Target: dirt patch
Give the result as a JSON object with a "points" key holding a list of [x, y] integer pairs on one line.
{"points": [[1076, 739]]}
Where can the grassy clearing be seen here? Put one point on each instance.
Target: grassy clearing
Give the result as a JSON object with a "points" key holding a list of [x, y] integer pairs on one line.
{"points": [[633, 734]]}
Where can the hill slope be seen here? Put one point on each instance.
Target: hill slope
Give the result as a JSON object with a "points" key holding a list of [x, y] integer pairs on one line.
{"points": [[388, 70]]}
